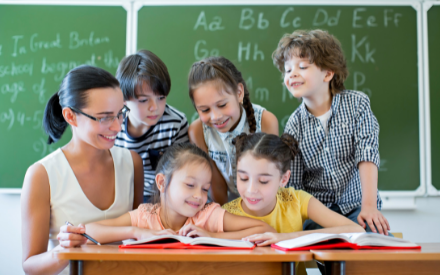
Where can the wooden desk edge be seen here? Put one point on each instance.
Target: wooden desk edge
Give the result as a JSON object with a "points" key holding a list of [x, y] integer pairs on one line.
{"points": [[179, 256]]}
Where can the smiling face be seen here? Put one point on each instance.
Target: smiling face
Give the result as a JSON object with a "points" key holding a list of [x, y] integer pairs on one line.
{"points": [[218, 108], [304, 79], [187, 192], [258, 180], [101, 102], [145, 110]]}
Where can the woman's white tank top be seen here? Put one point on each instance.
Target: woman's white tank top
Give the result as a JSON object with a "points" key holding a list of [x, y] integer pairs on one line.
{"points": [[68, 201]]}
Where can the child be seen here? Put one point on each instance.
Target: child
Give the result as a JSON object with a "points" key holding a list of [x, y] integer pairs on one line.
{"points": [[183, 179], [221, 98], [152, 125], [336, 130], [263, 162]]}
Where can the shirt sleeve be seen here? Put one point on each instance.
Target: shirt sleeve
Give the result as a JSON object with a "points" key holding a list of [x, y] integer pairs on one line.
{"points": [[304, 199], [211, 218], [366, 136], [297, 164], [134, 217], [182, 134]]}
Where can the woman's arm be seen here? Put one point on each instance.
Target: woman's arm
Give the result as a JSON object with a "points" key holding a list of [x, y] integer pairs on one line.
{"points": [[269, 123], [35, 223], [219, 188], [319, 213], [138, 191]]}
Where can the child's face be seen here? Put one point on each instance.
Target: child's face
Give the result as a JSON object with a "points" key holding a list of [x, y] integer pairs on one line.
{"points": [[305, 80], [258, 181], [101, 102], [217, 108], [187, 192], [147, 108]]}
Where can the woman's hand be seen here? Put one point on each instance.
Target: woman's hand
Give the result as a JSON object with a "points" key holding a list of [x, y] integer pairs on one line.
{"points": [[190, 230], [69, 236], [268, 238]]}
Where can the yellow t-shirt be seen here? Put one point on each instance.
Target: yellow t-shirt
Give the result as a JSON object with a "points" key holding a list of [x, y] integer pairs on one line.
{"points": [[289, 213]]}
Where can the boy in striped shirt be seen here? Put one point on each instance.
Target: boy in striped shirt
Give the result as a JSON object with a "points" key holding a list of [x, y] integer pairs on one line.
{"points": [[337, 132], [152, 125]]}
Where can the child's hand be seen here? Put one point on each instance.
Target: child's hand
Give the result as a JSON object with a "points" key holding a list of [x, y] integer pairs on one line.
{"points": [[190, 230], [69, 236], [267, 238], [165, 232], [373, 217]]}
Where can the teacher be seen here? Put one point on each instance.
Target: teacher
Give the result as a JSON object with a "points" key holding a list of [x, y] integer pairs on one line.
{"points": [[86, 180]]}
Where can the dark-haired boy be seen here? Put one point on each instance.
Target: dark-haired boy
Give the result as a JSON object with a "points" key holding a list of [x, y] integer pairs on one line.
{"points": [[151, 125], [337, 132]]}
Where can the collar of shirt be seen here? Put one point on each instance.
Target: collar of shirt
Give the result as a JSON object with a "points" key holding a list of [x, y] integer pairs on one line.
{"points": [[238, 130], [305, 114]]}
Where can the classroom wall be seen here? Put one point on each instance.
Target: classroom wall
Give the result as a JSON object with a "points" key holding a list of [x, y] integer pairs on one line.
{"points": [[419, 225]]}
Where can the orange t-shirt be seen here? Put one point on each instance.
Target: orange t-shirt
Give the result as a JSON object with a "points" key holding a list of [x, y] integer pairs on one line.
{"points": [[209, 218]]}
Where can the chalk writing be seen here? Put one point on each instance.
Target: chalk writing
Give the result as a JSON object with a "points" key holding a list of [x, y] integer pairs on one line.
{"points": [[214, 25], [18, 49], [17, 69], [394, 18], [59, 69], [201, 53], [322, 18], [247, 49], [39, 90], [296, 22], [76, 42], [39, 45], [355, 45], [20, 118], [247, 21], [286, 94], [14, 89]]}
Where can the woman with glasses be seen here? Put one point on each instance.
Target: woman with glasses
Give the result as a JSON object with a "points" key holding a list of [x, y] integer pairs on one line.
{"points": [[86, 180]]}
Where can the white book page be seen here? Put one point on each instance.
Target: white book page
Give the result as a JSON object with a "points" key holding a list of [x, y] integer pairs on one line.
{"points": [[182, 239], [221, 242], [310, 239], [375, 239]]}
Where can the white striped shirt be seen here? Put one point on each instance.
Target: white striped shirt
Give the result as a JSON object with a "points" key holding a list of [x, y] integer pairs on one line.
{"points": [[171, 128], [327, 165]]}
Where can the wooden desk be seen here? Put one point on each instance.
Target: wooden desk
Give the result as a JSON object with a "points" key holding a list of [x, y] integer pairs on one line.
{"points": [[109, 259], [379, 262]]}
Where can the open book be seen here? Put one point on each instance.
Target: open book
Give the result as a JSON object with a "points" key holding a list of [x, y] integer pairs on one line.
{"points": [[344, 240], [181, 242]]}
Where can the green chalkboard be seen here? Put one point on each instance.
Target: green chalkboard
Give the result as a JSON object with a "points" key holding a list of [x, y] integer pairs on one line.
{"points": [[39, 44], [434, 87], [380, 44]]}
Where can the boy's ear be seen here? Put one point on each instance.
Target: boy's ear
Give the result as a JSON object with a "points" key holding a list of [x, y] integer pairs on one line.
{"points": [[160, 182], [329, 76], [285, 179], [240, 92], [70, 116]]}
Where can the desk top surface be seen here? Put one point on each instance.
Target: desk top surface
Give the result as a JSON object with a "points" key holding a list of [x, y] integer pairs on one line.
{"points": [[114, 253], [429, 252]]}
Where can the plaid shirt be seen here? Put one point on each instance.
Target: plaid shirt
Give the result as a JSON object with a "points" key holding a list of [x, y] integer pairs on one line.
{"points": [[327, 165]]}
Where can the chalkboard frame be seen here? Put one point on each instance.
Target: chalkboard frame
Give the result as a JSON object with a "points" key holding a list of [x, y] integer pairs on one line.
{"points": [[431, 189], [392, 199], [119, 3]]}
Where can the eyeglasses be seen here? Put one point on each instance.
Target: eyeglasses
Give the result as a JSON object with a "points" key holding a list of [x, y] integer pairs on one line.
{"points": [[108, 120]]}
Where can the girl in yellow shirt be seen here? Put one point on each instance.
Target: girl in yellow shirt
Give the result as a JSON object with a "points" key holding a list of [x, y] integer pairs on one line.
{"points": [[263, 170]]}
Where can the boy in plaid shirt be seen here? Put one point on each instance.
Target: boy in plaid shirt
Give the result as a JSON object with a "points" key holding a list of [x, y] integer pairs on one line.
{"points": [[337, 132]]}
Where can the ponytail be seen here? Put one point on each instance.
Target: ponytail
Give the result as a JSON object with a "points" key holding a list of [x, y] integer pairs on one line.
{"points": [[291, 143], [53, 121]]}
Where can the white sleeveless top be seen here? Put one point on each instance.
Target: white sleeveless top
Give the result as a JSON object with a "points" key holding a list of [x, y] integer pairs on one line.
{"points": [[221, 149], [68, 201]]}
